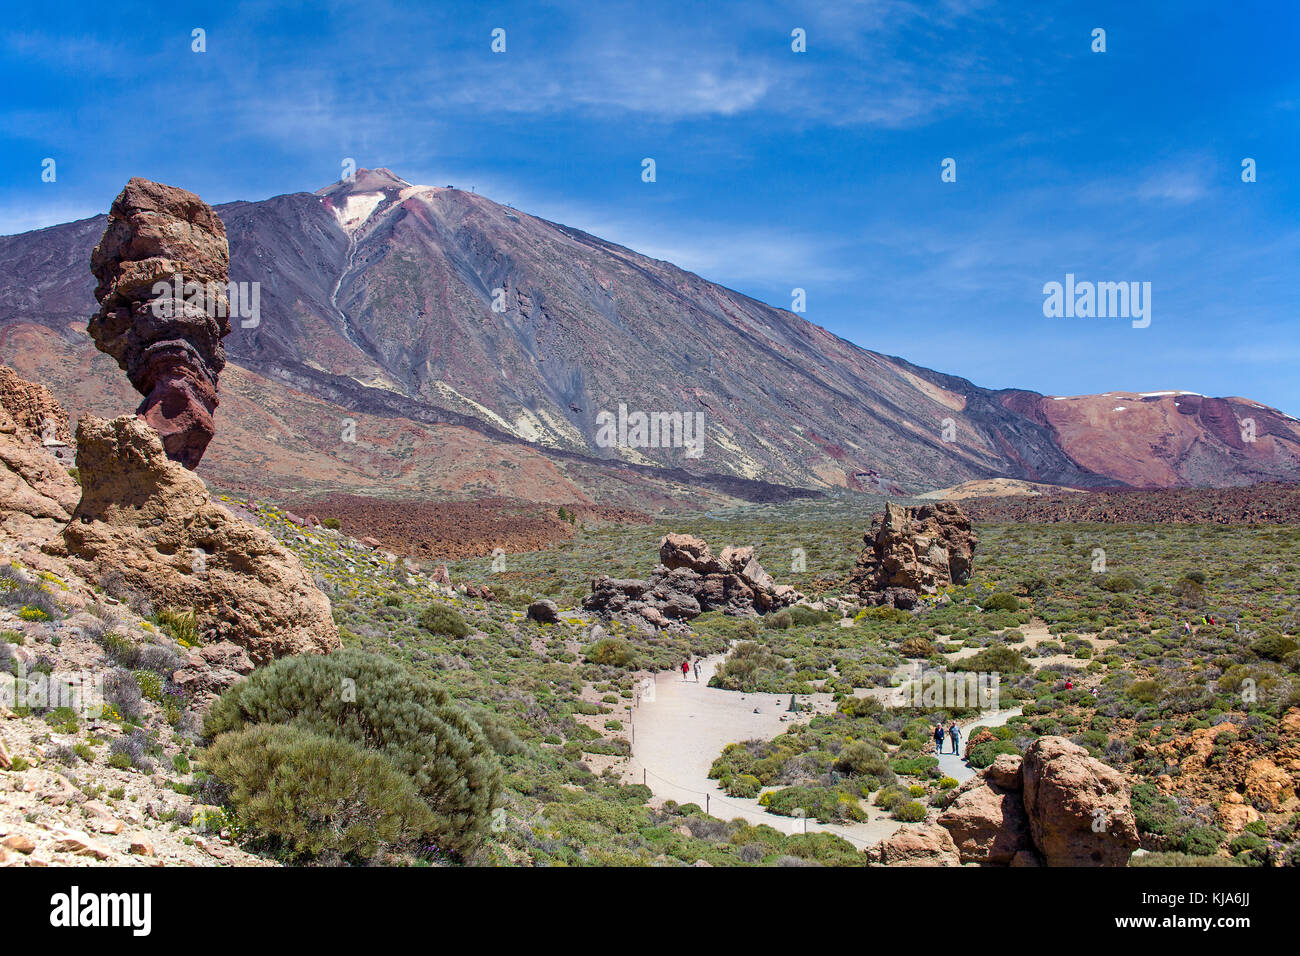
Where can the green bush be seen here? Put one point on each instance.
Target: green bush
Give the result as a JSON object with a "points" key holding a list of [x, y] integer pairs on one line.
{"points": [[181, 625], [751, 667], [916, 646], [909, 811], [1273, 647], [610, 652], [443, 620], [804, 616], [1118, 583], [376, 704], [1143, 691], [310, 796], [744, 785], [861, 759], [779, 621], [1001, 601], [999, 658]]}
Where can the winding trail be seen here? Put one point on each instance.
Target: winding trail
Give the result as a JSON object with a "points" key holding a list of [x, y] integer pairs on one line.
{"points": [[952, 764], [684, 725], [683, 729]]}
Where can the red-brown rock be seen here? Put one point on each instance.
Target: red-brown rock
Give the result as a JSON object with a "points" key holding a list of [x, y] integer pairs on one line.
{"points": [[1079, 809], [168, 342], [988, 826], [918, 549], [917, 845]]}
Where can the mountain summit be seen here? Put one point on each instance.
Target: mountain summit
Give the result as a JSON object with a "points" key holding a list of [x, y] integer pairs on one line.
{"points": [[438, 305]]}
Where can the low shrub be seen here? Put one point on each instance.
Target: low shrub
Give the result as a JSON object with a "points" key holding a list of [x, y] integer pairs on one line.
{"points": [[310, 796], [444, 621], [610, 652], [374, 703]]}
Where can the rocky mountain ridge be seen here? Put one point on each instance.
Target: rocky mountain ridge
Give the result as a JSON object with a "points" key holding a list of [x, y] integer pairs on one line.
{"points": [[439, 307]]}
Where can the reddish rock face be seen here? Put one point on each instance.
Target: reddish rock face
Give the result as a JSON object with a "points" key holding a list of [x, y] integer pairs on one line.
{"points": [[167, 341], [1079, 809], [1056, 807]]}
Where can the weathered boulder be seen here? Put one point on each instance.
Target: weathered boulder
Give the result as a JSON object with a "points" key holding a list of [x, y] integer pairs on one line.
{"points": [[163, 267], [1004, 772], [687, 551], [34, 409], [37, 494], [921, 844], [914, 549], [1056, 806], [1079, 808], [153, 522], [988, 825], [544, 612]]}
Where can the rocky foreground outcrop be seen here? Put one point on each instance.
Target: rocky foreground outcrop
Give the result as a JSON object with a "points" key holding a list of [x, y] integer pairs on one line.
{"points": [[688, 581], [37, 494], [913, 551], [1057, 807], [168, 343], [150, 521], [919, 844]]}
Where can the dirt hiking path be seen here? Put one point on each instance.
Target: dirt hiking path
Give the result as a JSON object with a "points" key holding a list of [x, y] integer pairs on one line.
{"points": [[684, 728]]}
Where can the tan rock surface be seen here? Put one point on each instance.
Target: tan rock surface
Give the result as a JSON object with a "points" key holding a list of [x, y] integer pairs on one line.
{"points": [[148, 519]]}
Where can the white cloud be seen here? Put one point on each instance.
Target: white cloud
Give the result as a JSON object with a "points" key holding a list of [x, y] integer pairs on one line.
{"points": [[1180, 185]]}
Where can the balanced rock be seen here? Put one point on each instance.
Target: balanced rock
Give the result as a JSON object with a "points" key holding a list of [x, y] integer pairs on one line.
{"points": [[153, 522], [163, 267], [912, 551]]}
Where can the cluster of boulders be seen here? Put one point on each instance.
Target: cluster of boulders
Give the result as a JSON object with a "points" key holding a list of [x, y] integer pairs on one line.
{"points": [[688, 581], [913, 551], [1056, 807], [168, 342]]}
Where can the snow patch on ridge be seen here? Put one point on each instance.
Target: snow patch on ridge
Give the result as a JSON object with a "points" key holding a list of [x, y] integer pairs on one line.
{"points": [[357, 208]]}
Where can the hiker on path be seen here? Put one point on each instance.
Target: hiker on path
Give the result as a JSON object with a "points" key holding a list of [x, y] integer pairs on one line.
{"points": [[1187, 627], [697, 670], [955, 733], [686, 666], [938, 738]]}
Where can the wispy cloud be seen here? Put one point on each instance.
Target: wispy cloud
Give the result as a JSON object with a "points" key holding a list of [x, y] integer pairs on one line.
{"points": [[1181, 185]]}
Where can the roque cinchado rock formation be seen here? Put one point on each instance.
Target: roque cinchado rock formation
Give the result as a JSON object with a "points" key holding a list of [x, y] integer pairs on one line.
{"points": [[144, 517], [163, 265]]}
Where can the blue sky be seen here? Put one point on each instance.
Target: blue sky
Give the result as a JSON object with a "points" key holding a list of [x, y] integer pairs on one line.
{"points": [[775, 169]]}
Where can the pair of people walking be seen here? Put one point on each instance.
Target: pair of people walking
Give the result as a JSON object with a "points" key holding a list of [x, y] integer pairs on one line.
{"points": [[686, 669], [954, 734]]}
